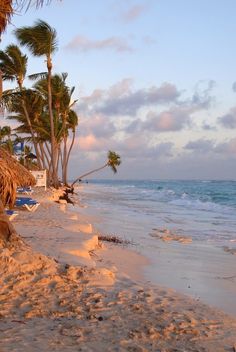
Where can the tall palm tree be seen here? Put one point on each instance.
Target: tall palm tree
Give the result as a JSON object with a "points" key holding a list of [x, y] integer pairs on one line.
{"points": [[113, 160], [65, 119], [35, 105], [41, 41], [13, 64]]}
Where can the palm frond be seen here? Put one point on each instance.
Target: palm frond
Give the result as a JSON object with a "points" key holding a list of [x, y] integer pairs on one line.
{"points": [[39, 75]]}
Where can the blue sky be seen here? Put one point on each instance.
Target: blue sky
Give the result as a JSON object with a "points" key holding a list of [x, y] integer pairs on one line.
{"points": [[155, 81]]}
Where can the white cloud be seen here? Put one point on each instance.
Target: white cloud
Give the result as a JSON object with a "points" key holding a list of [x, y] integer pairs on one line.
{"points": [[85, 44], [228, 120], [121, 99]]}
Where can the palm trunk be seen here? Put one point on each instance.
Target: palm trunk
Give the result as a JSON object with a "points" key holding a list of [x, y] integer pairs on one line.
{"points": [[1, 90], [43, 155], [89, 173], [1, 87], [30, 127], [64, 161], [52, 132], [68, 157]]}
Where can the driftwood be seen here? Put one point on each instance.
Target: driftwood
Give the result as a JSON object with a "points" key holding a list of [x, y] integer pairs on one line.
{"points": [[113, 238], [65, 196]]}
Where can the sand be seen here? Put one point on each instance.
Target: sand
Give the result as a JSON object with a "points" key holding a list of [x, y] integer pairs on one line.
{"points": [[60, 290]]}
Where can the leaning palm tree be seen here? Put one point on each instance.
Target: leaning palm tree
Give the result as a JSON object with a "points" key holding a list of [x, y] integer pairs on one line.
{"points": [[113, 160], [41, 40]]}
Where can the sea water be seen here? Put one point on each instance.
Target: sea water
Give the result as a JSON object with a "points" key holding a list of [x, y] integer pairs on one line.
{"points": [[204, 211]]}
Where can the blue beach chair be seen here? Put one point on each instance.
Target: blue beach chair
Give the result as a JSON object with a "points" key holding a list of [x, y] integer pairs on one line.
{"points": [[11, 214], [24, 190], [26, 202]]}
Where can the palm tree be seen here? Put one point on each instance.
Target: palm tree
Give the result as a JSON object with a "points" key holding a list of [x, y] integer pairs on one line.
{"points": [[41, 41], [13, 65], [113, 160], [65, 119], [5, 139], [35, 105]]}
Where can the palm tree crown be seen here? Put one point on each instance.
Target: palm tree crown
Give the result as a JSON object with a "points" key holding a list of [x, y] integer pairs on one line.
{"points": [[13, 64], [40, 39], [113, 160]]}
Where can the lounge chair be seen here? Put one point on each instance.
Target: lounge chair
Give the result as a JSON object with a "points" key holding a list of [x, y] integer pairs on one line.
{"points": [[24, 190], [11, 214], [26, 202]]}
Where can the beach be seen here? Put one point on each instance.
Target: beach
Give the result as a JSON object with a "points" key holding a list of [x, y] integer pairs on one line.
{"points": [[64, 290]]}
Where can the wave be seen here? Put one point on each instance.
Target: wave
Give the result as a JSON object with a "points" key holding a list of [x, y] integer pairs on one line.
{"points": [[197, 204]]}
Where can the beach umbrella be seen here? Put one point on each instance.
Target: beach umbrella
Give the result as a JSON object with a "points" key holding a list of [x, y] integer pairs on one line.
{"points": [[12, 175]]}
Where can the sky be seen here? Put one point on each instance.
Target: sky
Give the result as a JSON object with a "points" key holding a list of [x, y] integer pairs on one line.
{"points": [[155, 81]]}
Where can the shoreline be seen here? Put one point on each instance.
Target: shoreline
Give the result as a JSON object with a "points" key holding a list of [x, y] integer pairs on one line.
{"points": [[202, 270], [67, 301]]}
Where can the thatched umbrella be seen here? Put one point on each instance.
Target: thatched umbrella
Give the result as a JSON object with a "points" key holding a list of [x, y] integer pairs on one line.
{"points": [[6, 11], [12, 175], [8, 7]]}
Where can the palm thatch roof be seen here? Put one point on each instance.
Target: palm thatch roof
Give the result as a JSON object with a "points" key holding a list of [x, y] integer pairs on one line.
{"points": [[6, 11], [9, 7], [12, 175]]}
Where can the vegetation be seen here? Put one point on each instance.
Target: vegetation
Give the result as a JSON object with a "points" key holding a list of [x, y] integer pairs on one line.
{"points": [[44, 112], [113, 160]]}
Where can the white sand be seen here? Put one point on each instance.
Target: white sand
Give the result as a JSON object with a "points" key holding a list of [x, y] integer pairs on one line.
{"points": [[57, 294]]}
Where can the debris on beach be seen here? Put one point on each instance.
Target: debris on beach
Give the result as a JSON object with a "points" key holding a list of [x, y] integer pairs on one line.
{"points": [[166, 235], [113, 238]]}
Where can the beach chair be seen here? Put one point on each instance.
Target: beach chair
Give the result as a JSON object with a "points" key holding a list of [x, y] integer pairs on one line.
{"points": [[26, 202], [11, 214], [24, 190]]}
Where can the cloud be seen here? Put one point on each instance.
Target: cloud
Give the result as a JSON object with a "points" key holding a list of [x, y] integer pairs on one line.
{"points": [[99, 125], [202, 97], [172, 120], [121, 99], [208, 127], [204, 146], [91, 143], [200, 145], [85, 44], [228, 120], [133, 12], [175, 119], [228, 147]]}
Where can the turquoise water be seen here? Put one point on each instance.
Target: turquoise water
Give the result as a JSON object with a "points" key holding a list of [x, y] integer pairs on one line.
{"points": [[202, 210], [205, 211]]}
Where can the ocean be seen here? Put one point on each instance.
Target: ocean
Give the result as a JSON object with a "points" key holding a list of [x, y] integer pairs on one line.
{"points": [[204, 211]]}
